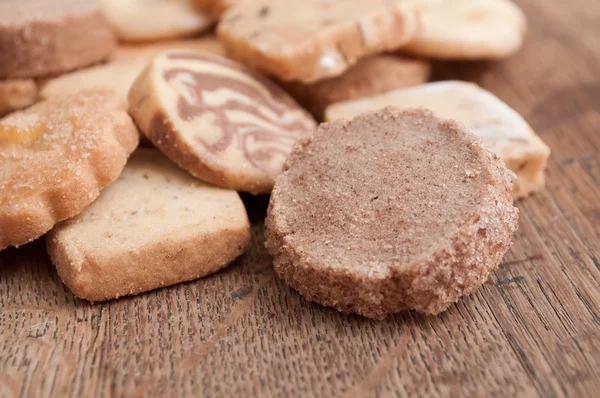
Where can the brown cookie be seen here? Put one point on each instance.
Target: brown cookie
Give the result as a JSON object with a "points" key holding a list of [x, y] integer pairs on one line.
{"points": [[40, 38], [55, 157], [153, 227], [314, 39], [217, 119], [17, 94], [215, 7], [369, 76], [390, 210]]}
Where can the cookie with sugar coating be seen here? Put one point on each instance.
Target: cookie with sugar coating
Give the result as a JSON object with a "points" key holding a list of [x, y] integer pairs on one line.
{"points": [[151, 20], [314, 39], [155, 226], [42, 38], [415, 214], [469, 29], [502, 129], [56, 156], [369, 76], [217, 119], [17, 94]]}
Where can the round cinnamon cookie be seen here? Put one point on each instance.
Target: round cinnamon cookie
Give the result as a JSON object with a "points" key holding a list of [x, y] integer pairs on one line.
{"points": [[56, 156], [390, 210], [218, 120], [40, 37]]}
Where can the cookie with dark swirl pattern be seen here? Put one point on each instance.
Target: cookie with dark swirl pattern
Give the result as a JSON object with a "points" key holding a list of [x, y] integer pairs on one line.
{"points": [[218, 120]]}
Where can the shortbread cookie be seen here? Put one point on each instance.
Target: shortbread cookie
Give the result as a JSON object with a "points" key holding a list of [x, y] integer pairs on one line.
{"points": [[391, 210], [370, 76], [155, 226], [502, 129], [124, 67], [148, 20], [215, 7], [469, 29], [40, 38], [314, 39], [55, 157], [217, 119], [17, 94]]}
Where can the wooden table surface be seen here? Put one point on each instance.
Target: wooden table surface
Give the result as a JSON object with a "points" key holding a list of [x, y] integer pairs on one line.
{"points": [[532, 330]]}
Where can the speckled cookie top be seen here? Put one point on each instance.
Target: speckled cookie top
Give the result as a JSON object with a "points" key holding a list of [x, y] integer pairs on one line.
{"points": [[21, 12], [383, 190]]}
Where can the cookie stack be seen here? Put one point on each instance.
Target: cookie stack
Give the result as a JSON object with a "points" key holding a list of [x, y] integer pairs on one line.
{"points": [[377, 210]]}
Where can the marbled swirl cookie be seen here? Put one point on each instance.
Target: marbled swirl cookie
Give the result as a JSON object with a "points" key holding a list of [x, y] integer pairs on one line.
{"points": [[315, 39], [502, 129], [217, 119]]}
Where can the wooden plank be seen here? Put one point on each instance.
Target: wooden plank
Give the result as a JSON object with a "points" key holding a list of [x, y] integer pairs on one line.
{"points": [[534, 329]]}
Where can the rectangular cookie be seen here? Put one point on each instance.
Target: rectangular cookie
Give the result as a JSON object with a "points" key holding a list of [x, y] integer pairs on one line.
{"points": [[502, 129], [312, 40], [368, 77], [155, 226]]}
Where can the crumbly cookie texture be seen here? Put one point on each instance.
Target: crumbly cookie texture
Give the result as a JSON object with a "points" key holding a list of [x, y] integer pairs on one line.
{"points": [[17, 94], [215, 7], [125, 66], [55, 157], [155, 226], [469, 29], [148, 20], [217, 119], [315, 39], [502, 129], [369, 76], [390, 210], [41, 38]]}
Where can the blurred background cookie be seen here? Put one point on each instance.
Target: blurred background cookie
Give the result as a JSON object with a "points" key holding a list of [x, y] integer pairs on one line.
{"points": [[153, 227], [56, 156], [218, 120], [17, 94], [502, 129], [215, 7], [314, 39], [469, 29], [41, 38], [149, 20]]}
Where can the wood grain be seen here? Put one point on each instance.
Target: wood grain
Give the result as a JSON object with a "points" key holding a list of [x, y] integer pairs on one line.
{"points": [[532, 330]]}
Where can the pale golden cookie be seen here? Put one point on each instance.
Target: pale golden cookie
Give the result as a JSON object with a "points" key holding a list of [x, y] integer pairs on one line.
{"points": [[40, 38], [153, 227], [314, 39], [125, 66], [469, 29], [149, 20], [217, 119], [390, 210], [17, 94], [55, 157], [502, 129], [369, 76]]}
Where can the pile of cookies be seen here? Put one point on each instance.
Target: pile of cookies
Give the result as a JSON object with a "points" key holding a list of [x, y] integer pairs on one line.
{"points": [[402, 198]]}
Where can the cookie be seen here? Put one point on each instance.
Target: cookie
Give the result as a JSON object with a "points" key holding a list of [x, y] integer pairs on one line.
{"points": [[215, 7], [469, 29], [125, 66], [17, 94], [55, 157], [314, 39], [40, 38], [216, 119], [502, 129], [155, 226], [413, 215], [149, 20], [369, 76]]}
